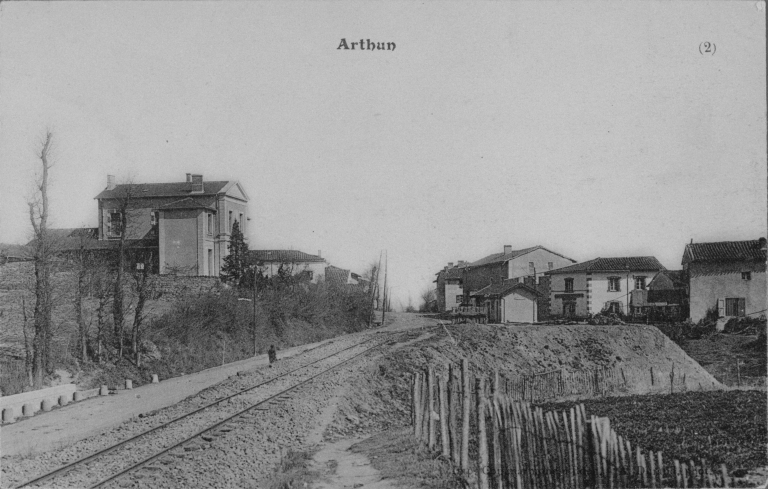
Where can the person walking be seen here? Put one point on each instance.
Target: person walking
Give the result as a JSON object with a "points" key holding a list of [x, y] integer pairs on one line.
{"points": [[272, 354]]}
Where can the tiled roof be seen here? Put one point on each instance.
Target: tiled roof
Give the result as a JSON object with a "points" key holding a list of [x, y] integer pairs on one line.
{"points": [[180, 189], [668, 279], [625, 263], [284, 256], [336, 275], [502, 289], [502, 257], [191, 203], [724, 251]]}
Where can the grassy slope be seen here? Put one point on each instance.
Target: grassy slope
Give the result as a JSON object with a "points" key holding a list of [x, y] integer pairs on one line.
{"points": [[719, 355]]}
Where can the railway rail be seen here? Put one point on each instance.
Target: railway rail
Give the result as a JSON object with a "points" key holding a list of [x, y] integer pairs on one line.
{"points": [[120, 449]]}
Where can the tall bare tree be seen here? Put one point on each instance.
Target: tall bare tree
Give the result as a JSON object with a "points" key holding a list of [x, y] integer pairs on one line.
{"points": [[43, 251], [125, 203]]}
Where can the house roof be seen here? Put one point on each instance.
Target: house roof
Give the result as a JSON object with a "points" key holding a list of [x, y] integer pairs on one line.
{"points": [[668, 279], [502, 289], [174, 189], [502, 257], [191, 203], [336, 275], [284, 256], [617, 264], [724, 251]]}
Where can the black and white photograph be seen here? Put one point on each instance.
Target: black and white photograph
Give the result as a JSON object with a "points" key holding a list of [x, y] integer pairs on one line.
{"points": [[476, 244]]}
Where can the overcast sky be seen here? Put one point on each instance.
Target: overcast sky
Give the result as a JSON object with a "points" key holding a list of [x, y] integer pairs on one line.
{"points": [[592, 128]]}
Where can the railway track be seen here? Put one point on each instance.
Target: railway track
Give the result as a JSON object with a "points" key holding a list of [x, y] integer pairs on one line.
{"points": [[129, 455]]}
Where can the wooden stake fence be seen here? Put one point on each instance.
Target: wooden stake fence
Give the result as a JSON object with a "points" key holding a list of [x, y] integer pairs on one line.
{"points": [[518, 446]]}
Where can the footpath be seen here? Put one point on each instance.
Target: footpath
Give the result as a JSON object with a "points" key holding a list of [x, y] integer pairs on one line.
{"points": [[74, 422]]}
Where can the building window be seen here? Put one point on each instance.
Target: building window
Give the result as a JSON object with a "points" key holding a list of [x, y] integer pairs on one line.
{"points": [[639, 283], [531, 267], [459, 299], [550, 265], [242, 224], [735, 306], [154, 218], [114, 224], [746, 275], [210, 261], [310, 274], [614, 307], [210, 223], [614, 284], [569, 285], [230, 221]]}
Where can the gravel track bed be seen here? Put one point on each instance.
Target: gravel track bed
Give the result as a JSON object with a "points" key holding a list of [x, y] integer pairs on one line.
{"points": [[19, 468]]}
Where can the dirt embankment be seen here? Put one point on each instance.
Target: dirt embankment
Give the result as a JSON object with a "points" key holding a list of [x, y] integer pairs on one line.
{"points": [[380, 396]]}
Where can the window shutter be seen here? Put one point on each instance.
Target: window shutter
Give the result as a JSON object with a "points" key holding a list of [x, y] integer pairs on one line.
{"points": [[721, 308], [742, 307]]}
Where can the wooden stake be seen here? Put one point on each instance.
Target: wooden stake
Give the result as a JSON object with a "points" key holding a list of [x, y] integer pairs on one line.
{"points": [[724, 473], [431, 408], [445, 439], [417, 406], [482, 439], [465, 416]]}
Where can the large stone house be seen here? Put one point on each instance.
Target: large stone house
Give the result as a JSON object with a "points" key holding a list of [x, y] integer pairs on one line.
{"points": [[727, 278], [180, 228], [510, 265], [602, 284]]}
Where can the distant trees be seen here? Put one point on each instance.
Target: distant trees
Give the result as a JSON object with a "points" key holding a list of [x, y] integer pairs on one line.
{"points": [[428, 300]]}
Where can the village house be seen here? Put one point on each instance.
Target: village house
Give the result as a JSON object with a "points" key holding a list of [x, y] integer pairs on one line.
{"points": [[449, 292], [665, 299], [179, 228], [340, 277], [726, 278], [510, 265], [509, 301], [293, 262], [600, 285]]}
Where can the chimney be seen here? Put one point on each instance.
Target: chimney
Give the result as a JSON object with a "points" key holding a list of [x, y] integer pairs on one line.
{"points": [[319, 254], [110, 182], [197, 183], [189, 178], [450, 264], [507, 249], [762, 243]]}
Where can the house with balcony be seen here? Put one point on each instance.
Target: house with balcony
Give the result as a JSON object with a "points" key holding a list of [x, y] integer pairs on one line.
{"points": [[726, 278], [600, 285]]}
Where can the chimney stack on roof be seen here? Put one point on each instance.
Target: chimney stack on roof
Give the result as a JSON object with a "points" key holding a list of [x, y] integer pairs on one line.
{"points": [[318, 254], [507, 249], [450, 264], [189, 178], [762, 242], [110, 182], [197, 182]]}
